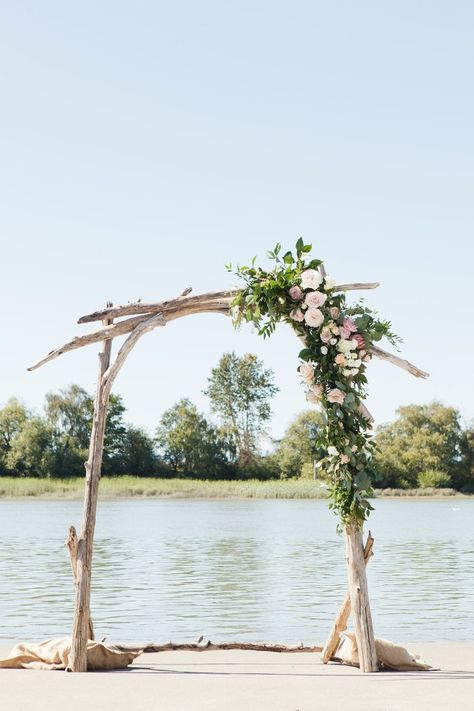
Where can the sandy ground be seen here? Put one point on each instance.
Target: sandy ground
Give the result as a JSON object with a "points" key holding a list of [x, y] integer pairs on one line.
{"points": [[240, 680]]}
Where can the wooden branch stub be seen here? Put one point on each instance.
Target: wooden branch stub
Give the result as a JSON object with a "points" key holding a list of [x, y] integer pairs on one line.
{"points": [[340, 625], [72, 543]]}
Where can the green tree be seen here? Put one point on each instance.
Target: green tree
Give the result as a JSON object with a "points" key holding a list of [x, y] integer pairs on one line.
{"points": [[422, 438], [297, 448], [69, 413], [13, 417], [31, 452], [137, 454], [190, 444], [240, 390]]}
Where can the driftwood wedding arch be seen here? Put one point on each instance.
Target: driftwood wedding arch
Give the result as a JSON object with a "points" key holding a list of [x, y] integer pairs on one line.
{"points": [[136, 319]]}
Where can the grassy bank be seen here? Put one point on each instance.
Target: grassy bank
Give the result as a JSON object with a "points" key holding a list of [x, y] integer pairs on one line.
{"points": [[131, 486]]}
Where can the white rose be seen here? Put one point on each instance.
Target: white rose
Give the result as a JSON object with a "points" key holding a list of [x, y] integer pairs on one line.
{"points": [[357, 363], [311, 279], [314, 317], [354, 371], [344, 346], [324, 350], [329, 283], [332, 451]]}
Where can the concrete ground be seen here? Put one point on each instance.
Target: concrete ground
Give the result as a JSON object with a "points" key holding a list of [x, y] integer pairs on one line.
{"points": [[241, 680]]}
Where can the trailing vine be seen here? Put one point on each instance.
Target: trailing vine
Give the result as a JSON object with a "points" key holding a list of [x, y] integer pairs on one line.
{"points": [[337, 339]]}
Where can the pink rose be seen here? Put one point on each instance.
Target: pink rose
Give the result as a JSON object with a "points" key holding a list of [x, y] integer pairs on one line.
{"points": [[340, 359], [360, 340], [344, 332], [335, 312], [306, 371], [325, 334], [314, 299], [295, 293], [336, 395], [297, 315], [350, 325], [345, 459], [311, 279], [314, 318], [314, 393]]}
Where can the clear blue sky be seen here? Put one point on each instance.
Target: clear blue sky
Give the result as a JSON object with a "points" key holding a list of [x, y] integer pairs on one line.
{"points": [[145, 144]]}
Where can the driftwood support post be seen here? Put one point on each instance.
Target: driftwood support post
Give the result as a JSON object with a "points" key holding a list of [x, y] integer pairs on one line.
{"points": [[343, 617], [359, 594], [82, 626]]}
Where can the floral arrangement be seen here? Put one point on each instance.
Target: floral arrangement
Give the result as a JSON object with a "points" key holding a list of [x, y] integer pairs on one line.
{"points": [[337, 342]]}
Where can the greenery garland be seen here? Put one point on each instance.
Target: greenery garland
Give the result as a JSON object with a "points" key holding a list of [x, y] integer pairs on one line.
{"points": [[337, 340]]}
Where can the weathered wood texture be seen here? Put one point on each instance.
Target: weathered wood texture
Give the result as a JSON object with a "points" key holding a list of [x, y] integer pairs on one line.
{"points": [[143, 307], [359, 595], [340, 625], [209, 646], [400, 362], [82, 626]]}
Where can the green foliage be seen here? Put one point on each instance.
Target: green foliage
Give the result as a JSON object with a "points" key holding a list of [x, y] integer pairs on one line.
{"points": [[240, 389], [135, 452], [31, 452], [337, 339], [432, 478], [191, 445], [422, 438], [298, 448], [13, 417]]}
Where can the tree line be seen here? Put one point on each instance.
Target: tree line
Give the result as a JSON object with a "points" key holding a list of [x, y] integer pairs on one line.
{"points": [[427, 445]]}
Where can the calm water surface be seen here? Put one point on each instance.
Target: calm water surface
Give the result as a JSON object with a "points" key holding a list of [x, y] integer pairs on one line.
{"points": [[247, 570]]}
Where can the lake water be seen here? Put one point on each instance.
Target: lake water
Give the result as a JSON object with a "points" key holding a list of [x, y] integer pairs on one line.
{"points": [[236, 570]]}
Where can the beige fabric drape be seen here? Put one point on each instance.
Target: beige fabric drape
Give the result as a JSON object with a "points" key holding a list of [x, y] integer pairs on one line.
{"points": [[54, 654], [389, 655]]}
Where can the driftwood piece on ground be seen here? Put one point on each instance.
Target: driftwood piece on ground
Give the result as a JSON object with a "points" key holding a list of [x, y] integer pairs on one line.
{"points": [[359, 595], [210, 646], [340, 625]]}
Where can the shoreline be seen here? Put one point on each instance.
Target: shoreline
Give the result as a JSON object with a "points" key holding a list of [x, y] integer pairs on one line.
{"points": [[128, 487]]}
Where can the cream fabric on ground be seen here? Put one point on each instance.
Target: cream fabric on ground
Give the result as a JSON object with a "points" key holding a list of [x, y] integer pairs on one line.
{"points": [[54, 654], [389, 655]]}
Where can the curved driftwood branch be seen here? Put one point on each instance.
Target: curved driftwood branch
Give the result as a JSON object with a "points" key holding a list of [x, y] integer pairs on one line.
{"points": [[141, 307], [179, 309], [400, 362], [210, 646], [113, 370]]}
